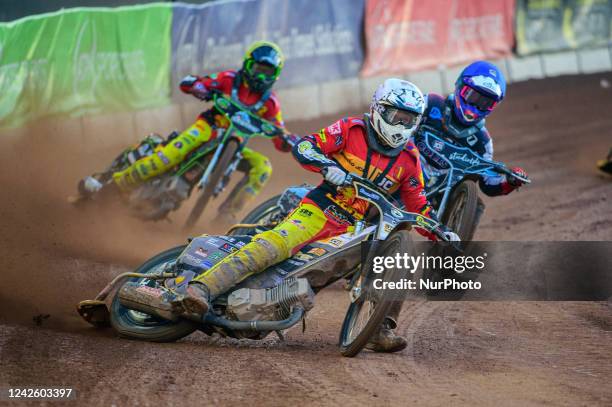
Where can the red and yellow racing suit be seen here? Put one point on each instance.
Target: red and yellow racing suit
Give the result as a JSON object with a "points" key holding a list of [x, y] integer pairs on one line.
{"points": [[206, 128], [326, 211]]}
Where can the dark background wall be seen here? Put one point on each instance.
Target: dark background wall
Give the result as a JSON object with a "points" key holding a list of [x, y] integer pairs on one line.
{"points": [[13, 9]]}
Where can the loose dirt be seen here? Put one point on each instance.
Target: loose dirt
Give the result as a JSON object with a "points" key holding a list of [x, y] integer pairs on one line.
{"points": [[477, 353]]}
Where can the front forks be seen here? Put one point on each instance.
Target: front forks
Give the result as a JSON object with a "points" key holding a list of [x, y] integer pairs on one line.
{"points": [[228, 172], [363, 277], [211, 165]]}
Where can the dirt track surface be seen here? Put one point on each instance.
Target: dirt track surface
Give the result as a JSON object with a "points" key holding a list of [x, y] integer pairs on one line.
{"points": [[475, 353]]}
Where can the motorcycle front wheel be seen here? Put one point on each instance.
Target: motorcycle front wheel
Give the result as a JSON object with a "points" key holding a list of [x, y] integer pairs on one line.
{"points": [[461, 214], [139, 325], [369, 309]]}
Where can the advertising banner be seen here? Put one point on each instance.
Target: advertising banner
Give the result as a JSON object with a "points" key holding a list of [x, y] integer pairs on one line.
{"points": [[557, 25], [404, 36], [84, 61], [321, 39]]}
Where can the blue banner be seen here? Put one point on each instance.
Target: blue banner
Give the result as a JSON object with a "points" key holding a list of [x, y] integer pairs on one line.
{"points": [[321, 39]]}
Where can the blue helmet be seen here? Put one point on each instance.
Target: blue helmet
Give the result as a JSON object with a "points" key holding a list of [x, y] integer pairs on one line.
{"points": [[479, 88]]}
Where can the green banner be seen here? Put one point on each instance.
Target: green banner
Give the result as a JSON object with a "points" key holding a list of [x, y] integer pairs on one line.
{"points": [[82, 60], [557, 25]]}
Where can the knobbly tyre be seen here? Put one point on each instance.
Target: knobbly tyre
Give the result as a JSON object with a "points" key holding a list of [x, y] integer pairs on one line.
{"points": [[207, 168], [453, 191], [277, 298]]}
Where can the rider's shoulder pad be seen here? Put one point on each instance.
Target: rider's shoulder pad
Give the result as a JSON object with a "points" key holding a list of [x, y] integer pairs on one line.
{"points": [[230, 74], [412, 151], [350, 122], [434, 99], [274, 99], [355, 121], [485, 133]]}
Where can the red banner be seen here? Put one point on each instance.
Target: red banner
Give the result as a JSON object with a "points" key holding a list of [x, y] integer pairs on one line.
{"points": [[408, 35]]}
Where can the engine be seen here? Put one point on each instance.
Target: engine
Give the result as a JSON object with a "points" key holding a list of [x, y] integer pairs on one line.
{"points": [[270, 304]]}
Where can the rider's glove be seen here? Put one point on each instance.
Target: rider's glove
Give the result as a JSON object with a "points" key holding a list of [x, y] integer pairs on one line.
{"points": [[291, 139], [452, 236], [334, 175], [286, 141], [515, 182], [190, 84], [449, 234]]}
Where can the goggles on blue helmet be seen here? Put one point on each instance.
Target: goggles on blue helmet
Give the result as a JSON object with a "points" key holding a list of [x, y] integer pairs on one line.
{"points": [[477, 99]]}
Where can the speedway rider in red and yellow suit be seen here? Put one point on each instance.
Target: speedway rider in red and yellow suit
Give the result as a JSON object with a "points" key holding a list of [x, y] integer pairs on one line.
{"points": [[374, 147], [251, 86]]}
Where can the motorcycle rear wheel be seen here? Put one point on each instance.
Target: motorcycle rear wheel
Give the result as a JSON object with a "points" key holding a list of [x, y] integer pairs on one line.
{"points": [[461, 215], [139, 325], [376, 304], [205, 194]]}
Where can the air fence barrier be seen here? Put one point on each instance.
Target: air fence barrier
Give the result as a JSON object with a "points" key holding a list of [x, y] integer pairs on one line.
{"points": [[117, 69]]}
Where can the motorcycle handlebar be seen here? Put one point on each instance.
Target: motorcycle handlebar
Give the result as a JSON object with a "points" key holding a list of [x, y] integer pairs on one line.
{"points": [[501, 168], [439, 230]]}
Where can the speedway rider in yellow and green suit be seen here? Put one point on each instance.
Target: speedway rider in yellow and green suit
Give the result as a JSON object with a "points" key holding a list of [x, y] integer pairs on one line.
{"points": [[251, 86]]}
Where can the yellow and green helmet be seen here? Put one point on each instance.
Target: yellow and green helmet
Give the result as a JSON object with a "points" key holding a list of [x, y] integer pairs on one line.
{"points": [[262, 65]]}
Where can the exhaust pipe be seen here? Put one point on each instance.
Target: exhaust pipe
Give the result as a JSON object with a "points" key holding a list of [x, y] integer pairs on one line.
{"points": [[297, 313], [150, 300]]}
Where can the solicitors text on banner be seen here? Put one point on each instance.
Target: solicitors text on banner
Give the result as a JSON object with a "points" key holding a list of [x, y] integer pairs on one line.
{"points": [[320, 39], [408, 35]]}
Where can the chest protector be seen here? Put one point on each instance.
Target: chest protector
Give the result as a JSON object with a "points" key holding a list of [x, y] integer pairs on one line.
{"points": [[255, 107], [441, 122]]}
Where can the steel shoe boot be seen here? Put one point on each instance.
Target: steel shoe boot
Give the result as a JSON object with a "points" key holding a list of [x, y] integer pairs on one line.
{"points": [[386, 340], [195, 301]]}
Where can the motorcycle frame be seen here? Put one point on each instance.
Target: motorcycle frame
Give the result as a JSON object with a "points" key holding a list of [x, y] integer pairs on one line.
{"points": [[231, 132]]}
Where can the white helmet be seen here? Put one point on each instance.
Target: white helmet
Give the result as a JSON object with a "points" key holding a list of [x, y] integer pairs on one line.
{"points": [[396, 111]]}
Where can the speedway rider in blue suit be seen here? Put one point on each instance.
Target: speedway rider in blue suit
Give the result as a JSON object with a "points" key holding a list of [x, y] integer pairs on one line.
{"points": [[460, 119]]}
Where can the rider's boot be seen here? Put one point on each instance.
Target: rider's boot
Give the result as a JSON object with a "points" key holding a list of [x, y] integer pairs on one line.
{"points": [[88, 186], [195, 303], [264, 251], [385, 340], [164, 303]]}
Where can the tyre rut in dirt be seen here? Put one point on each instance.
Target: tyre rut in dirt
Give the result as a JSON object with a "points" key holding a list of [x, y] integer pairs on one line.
{"points": [[378, 302], [138, 325], [461, 214], [205, 194], [261, 213]]}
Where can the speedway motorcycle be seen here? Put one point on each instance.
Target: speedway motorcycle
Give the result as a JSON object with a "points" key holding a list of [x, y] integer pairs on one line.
{"points": [[207, 169], [278, 297], [451, 187]]}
